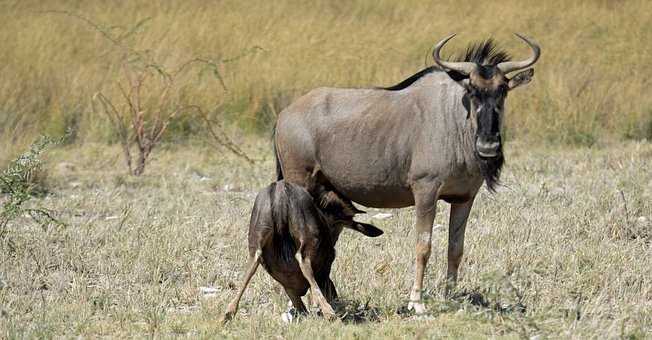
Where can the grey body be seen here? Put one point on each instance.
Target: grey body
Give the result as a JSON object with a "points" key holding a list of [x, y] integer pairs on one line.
{"points": [[434, 136], [375, 145]]}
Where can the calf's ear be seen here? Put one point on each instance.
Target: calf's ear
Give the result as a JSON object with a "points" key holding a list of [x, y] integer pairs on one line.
{"points": [[365, 229]]}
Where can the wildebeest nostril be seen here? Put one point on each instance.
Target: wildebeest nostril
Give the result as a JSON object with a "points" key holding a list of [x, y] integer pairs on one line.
{"points": [[488, 145]]}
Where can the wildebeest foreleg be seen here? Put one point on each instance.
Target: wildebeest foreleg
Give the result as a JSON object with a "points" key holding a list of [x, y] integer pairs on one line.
{"points": [[296, 301], [306, 269], [425, 210], [457, 225], [233, 306]]}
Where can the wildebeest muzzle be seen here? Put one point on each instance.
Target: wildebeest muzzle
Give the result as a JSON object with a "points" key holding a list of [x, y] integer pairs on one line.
{"points": [[488, 146]]}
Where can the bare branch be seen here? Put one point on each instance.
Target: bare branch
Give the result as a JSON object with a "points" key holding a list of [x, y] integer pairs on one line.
{"points": [[223, 140]]}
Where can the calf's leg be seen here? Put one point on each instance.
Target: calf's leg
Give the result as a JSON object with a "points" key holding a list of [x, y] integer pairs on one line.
{"points": [[306, 269], [329, 290], [233, 306], [295, 299]]}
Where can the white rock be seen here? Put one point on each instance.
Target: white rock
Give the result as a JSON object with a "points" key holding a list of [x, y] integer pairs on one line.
{"points": [[287, 317], [382, 216], [208, 292]]}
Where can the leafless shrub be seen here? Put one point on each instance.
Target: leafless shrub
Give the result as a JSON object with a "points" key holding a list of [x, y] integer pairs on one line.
{"points": [[134, 123], [149, 96]]}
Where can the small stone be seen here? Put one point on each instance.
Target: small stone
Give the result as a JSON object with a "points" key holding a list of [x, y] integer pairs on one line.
{"points": [[382, 216], [199, 176], [286, 317], [229, 187], [208, 292]]}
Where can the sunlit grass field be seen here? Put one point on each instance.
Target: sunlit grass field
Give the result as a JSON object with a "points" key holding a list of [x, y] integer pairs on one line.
{"points": [[592, 81], [562, 250]]}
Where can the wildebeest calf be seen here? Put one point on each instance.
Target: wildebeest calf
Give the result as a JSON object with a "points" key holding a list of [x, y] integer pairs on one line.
{"points": [[295, 240]]}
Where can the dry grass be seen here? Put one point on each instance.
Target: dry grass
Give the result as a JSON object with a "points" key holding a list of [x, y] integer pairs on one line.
{"points": [[593, 78], [563, 250]]}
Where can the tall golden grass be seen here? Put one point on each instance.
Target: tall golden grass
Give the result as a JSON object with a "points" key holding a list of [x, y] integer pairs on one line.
{"points": [[592, 81]]}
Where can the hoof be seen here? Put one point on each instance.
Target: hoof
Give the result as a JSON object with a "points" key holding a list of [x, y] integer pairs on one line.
{"points": [[330, 315], [226, 317], [289, 316], [417, 307]]}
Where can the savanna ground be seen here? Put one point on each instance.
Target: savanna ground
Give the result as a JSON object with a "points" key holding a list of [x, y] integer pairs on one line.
{"points": [[562, 250]]}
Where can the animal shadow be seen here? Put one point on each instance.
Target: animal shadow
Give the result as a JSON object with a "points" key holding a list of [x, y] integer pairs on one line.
{"points": [[487, 302], [356, 311], [476, 299]]}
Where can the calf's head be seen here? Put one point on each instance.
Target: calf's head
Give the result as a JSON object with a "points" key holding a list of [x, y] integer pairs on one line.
{"points": [[338, 214]]}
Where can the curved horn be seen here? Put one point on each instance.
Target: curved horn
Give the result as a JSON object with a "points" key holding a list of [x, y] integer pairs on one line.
{"points": [[511, 66], [462, 67]]}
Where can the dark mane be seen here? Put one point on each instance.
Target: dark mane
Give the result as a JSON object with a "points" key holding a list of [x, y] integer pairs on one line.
{"points": [[483, 53], [409, 81]]}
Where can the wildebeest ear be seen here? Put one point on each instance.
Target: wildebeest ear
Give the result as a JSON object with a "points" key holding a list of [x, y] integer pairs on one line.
{"points": [[521, 78], [365, 229]]}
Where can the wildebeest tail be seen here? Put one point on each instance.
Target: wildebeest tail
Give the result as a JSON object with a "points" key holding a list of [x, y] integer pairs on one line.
{"points": [[279, 169], [280, 209]]}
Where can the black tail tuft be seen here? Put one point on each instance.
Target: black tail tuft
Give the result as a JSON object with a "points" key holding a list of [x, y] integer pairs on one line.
{"points": [[279, 169]]}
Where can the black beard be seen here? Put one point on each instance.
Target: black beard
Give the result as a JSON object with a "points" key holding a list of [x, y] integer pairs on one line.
{"points": [[490, 168]]}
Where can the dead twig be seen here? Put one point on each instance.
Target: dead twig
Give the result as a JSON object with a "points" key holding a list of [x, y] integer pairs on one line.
{"points": [[221, 138]]}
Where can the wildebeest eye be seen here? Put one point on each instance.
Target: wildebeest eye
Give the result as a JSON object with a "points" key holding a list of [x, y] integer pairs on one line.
{"points": [[474, 92]]}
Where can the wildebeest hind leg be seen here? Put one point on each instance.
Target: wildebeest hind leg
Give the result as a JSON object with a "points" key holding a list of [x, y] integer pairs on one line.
{"points": [[328, 288], [306, 269], [233, 306], [459, 215]]}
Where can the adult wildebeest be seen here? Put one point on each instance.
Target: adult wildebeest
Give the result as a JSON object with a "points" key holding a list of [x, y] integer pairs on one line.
{"points": [[295, 240], [434, 136]]}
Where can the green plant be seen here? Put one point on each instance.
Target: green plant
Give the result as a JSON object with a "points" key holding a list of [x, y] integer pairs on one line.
{"points": [[18, 186]]}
